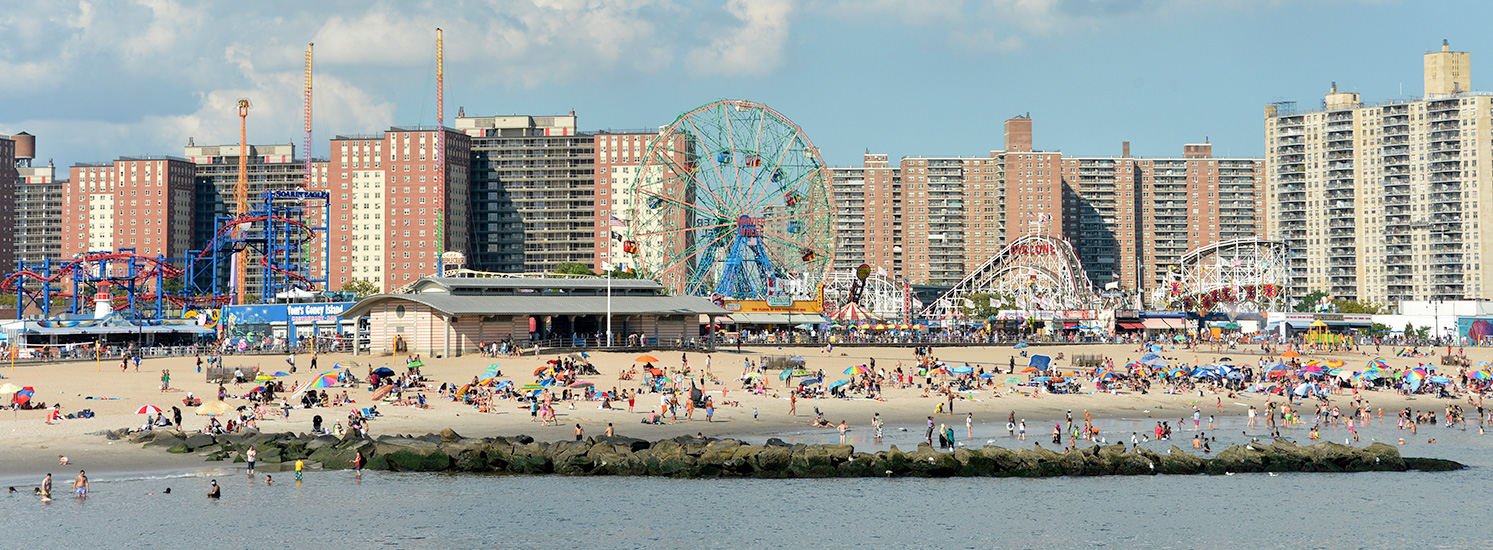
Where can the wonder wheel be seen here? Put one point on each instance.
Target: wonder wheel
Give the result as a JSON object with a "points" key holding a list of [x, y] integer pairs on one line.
{"points": [[731, 200]]}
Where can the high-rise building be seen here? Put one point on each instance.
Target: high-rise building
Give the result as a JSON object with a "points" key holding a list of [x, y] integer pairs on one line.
{"points": [[400, 201], [1381, 202], [144, 203], [267, 168], [533, 189], [38, 206], [11, 150], [1130, 219], [619, 158]]}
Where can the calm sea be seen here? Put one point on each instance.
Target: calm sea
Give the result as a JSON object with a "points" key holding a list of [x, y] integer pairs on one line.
{"points": [[334, 510]]}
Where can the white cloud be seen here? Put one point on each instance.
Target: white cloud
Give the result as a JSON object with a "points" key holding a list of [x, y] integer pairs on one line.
{"points": [[755, 48], [97, 79]]}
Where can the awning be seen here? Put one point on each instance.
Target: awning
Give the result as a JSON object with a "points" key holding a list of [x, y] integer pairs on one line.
{"points": [[778, 318], [1164, 324], [1349, 323], [1132, 326], [1303, 325]]}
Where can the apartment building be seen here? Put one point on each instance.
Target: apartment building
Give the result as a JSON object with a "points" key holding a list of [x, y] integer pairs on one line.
{"points": [[400, 200], [38, 206], [1381, 202], [533, 188], [267, 168], [1130, 218], [143, 203], [12, 150]]}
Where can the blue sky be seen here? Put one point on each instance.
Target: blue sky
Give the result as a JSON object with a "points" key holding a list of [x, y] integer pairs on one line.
{"points": [[97, 80]]}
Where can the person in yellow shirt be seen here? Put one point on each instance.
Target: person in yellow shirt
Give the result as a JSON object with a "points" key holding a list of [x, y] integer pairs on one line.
{"points": [[299, 465]]}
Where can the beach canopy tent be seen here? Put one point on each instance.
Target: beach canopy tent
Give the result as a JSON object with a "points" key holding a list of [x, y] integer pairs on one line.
{"points": [[1040, 362]]}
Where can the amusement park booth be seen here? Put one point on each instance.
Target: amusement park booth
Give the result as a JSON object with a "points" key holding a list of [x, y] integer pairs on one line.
{"points": [[447, 316]]}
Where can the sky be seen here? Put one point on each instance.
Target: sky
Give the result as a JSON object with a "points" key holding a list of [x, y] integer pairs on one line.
{"points": [[96, 80]]}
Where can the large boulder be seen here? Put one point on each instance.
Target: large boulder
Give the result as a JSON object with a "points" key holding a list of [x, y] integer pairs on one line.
{"points": [[1179, 462], [200, 440]]}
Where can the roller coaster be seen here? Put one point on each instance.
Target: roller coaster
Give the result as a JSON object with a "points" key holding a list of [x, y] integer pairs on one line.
{"points": [[273, 239]]}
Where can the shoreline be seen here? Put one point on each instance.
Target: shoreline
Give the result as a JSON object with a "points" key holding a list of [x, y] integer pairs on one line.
{"points": [[30, 445]]}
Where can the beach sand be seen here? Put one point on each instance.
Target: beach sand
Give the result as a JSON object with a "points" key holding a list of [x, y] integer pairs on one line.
{"points": [[28, 445]]}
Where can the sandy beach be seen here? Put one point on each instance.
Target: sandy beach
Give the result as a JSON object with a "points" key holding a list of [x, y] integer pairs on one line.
{"points": [[29, 445]]}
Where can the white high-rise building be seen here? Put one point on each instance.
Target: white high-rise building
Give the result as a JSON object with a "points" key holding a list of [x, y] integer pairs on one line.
{"points": [[1382, 202]]}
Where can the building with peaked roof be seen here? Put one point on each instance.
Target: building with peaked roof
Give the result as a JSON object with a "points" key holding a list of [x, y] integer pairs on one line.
{"points": [[445, 316]]}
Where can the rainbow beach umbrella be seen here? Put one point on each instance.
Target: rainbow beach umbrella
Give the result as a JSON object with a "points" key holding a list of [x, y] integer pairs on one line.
{"points": [[858, 369], [1482, 374]]}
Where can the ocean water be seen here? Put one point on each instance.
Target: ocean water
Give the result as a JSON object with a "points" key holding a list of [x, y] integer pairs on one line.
{"points": [[334, 509]]}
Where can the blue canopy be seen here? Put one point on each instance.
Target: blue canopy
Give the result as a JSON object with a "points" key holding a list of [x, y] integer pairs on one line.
{"points": [[1041, 362], [962, 370], [1020, 346]]}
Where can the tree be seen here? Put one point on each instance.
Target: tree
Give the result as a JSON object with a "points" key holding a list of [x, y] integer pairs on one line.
{"points": [[1309, 302], [174, 285], [1354, 306], [360, 287], [573, 268], [986, 305]]}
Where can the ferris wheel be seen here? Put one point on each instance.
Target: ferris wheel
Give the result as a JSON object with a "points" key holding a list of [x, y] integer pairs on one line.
{"points": [[732, 200]]}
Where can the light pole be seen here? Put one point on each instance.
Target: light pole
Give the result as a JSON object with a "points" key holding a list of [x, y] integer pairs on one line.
{"points": [[607, 267]]}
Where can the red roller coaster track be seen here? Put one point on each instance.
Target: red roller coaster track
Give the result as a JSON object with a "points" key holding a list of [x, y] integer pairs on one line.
{"points": [[10, 283]]}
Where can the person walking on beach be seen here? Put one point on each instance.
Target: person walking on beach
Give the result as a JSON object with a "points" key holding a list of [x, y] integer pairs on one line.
{"points": [[299, 465], [165, 379], [969, 426], [876, 425], [793, 405]]}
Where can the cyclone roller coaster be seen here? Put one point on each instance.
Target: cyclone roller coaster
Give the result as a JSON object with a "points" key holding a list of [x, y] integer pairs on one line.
{"points": [[273, 240]]}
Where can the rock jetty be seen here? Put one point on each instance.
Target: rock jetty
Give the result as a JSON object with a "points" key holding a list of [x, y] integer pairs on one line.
{"points": [[689, 457]]}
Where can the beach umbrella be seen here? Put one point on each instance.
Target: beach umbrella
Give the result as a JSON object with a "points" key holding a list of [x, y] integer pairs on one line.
{"points": [[415, 364], [1290, 353], [23, 395], [346, 365], [9, 388], [1149, 356], [1333, 363], [645, 359], [838, 383], [1312, 369], [148, 409], [1225, 359], [281, 373], [263, 377], [541, 370], [1156, 349], [1335, 371], [786, 374], [1303, 390], [963, 370], [1013, 380], [1156, 362], [1022, 345], [503, 384], [1439, 380], [325, 380], [1480, 364], [1482, 374], [531, 387], [798, 358], [1029, 369], [214, 408], [581, 384], [919, 326], [1378, 363], [858, 369], [383, 392], [986, 375], [809, 381], [1042, 379], [384, 371]]}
